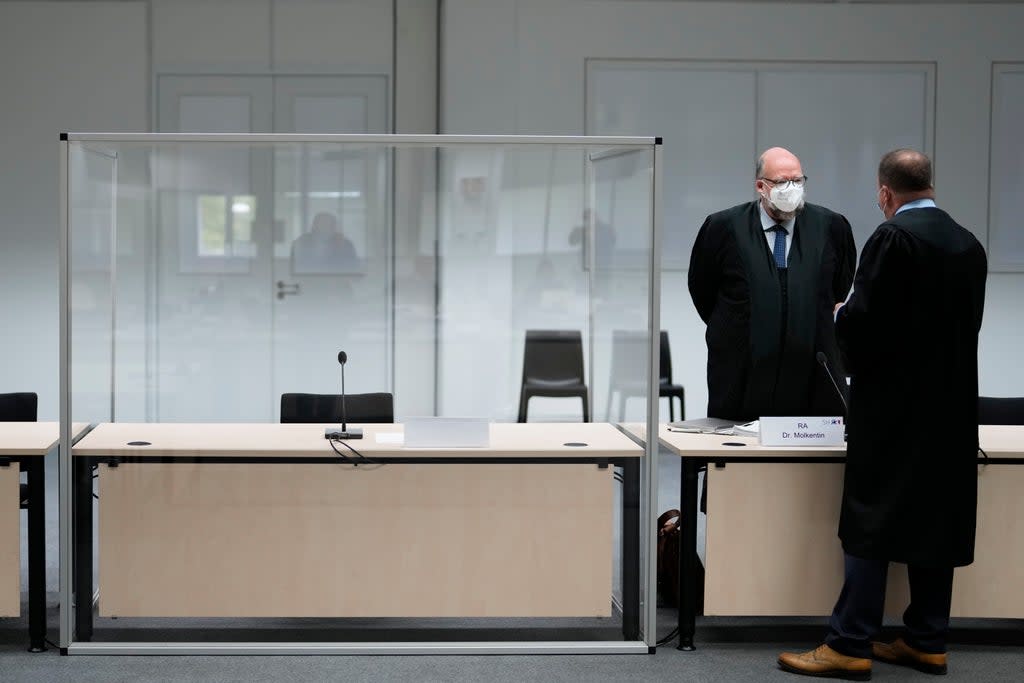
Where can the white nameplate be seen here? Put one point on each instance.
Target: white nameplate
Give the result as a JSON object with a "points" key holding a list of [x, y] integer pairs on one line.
{"points": [[802, 431]]}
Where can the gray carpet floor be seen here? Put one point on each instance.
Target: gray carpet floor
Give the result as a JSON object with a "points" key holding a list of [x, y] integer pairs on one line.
{"points": [[712, 661]]}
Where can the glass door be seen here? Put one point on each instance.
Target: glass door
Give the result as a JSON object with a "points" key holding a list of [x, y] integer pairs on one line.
{"points": [[214, 203], [272, 259], [332, 238]]}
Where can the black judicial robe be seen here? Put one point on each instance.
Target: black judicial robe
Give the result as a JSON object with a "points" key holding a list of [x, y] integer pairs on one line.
{"points": [[910, 334], [762, 340]]}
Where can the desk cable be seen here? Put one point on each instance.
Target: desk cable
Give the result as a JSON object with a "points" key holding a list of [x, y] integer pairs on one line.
{"points": [[363, 460], [667, 639]]}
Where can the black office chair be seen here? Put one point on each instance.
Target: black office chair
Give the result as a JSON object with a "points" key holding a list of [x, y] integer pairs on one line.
{"points": [[666, 389], [19, 407], [629, 354], [359, 408], [553, 367], [1000, 411]]}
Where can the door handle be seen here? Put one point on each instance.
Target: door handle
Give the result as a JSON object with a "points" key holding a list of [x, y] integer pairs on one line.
{"points": [[287, 288]]}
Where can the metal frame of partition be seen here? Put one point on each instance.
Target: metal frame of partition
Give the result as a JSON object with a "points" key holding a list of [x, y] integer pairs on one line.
{"points": [[649, 473]]}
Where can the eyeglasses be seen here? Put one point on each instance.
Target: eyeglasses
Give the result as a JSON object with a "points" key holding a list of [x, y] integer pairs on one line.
{"points": [[786, 183]]}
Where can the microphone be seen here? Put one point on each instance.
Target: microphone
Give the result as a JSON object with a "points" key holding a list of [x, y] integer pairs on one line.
{"points": [[345, 433], [824, 363]]}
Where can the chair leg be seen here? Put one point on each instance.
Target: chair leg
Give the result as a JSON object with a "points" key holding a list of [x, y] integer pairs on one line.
{"points": [[523, 400], [586, 407], [671, 410]]}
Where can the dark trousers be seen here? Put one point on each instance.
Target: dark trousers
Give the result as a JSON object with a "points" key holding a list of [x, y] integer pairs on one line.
{"points": [[857, 616]]}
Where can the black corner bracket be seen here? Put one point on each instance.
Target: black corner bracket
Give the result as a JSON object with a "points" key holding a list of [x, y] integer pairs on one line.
{"points": [[64, 137]]}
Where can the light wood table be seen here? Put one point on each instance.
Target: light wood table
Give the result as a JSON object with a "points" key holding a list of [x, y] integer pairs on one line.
{"points": [[25, 444], [772, 521], [266, 520]]}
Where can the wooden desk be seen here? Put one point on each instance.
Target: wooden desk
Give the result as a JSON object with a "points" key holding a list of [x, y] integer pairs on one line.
{"points": [[772, 543], [25, 443], [265, 520]]}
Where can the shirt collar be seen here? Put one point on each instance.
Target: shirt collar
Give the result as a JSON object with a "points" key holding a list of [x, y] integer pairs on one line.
{"points": [[767, 222], [925, 203]]}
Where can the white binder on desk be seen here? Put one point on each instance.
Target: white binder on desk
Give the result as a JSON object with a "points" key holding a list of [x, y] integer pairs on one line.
{"points": [[703, 425], [447, 432]]}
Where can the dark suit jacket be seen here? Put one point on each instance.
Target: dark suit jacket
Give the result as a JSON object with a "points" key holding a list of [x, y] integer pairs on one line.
{"points": [[910, 334], [758, 363]]}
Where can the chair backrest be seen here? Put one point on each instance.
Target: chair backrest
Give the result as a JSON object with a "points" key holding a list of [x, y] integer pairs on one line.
{"points": [[359, 408], [630, 349], [665, 370], [553, 355], [1000, 411], [629, 356], [19, 407]]}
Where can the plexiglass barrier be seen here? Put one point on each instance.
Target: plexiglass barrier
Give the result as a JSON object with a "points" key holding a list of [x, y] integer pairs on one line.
{"points": [[211, 279]]}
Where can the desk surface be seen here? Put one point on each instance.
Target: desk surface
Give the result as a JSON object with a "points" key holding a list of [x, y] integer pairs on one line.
{"points": [[533, 440], [32, 438], [1002, 441], [691, 445], [999, 441]]}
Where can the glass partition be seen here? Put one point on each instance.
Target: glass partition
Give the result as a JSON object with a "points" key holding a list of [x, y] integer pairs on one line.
{"points": [[221, 290], [92, 197], [618, 260]]}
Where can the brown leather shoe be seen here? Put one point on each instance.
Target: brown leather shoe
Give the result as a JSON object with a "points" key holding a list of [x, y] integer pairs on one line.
{"points": [[898, 652], [826, 663]]}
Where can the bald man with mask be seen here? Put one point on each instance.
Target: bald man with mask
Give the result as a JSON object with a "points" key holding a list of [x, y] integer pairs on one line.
{"points": [[765, 276]]}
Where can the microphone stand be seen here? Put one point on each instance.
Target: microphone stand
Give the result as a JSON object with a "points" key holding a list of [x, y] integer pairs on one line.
{"points": [[823, 359], [345, 433]]}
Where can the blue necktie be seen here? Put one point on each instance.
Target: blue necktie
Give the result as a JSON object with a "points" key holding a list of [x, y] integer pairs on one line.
{"points": [[779, 249]]}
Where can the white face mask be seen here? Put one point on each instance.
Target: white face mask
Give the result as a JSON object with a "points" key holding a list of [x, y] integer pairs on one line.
{"points": [[786, 199]]}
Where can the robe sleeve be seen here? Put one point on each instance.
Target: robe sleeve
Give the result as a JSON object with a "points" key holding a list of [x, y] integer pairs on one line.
{"points": [[846, 258], [705, 270], [879, 295], [979, 292]]}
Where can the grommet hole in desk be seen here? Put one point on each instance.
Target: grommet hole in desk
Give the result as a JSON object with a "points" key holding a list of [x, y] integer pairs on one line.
{"points": [[139, 443], [733, 443], [575, 444]]}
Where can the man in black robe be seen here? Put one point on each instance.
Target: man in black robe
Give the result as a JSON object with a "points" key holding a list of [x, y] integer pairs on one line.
{"points": [[910, 334], [765, 276]]}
